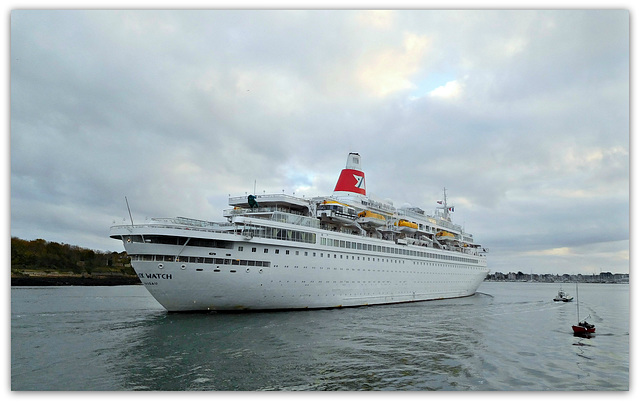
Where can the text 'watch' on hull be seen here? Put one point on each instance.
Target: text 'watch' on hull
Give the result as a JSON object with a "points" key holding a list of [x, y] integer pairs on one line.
{"points": [[277, 251]]}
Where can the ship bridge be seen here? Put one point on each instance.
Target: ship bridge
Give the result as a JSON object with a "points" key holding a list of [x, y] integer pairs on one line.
{"points": [[293, 203]]}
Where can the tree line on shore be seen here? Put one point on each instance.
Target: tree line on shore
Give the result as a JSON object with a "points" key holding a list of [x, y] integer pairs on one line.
{"points": [[41, 256]]}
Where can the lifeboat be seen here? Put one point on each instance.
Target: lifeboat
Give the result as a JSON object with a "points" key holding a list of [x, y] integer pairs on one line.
{"points": [[445, 236], [370, 218], [407, 226], [335, 212]]}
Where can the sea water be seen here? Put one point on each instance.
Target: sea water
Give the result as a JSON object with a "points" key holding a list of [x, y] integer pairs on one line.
{"points": [[507, 337]]}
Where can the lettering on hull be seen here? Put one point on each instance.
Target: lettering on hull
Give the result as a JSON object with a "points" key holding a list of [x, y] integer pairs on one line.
{"points": [[162, 276]]}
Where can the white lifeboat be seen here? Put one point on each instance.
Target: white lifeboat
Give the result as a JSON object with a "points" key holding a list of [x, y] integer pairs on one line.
{"points": [[335, 212]]}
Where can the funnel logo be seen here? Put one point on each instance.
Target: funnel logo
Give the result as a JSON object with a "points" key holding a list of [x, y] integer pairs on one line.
{"points": [[351, 180]]}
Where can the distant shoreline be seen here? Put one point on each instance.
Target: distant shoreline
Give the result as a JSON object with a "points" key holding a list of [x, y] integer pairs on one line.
{"points": [[57, 280], [558, 282], [39, 281]]}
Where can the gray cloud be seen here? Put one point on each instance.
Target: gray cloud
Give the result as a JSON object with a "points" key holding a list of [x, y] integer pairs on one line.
{"points": [[522, 115]]}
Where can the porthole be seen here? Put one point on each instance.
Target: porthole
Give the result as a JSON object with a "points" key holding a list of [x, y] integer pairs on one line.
{"points": [[160, 266], [183, 266]]}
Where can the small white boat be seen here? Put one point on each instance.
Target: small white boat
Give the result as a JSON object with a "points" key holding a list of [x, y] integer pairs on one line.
{"points": [[563, 297]]}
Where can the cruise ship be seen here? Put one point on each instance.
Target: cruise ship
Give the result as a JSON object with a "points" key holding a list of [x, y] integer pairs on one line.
{"points": [[280, 252]]}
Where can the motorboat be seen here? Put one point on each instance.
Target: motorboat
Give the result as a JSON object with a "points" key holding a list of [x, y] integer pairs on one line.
{"points": [[563, 297]]}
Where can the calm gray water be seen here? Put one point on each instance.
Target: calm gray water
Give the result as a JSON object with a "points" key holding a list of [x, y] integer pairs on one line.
{"points": [[509, 336]]}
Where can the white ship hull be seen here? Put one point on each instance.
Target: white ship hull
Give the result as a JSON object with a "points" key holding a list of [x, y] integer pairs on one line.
{"points": [[286, 275]]}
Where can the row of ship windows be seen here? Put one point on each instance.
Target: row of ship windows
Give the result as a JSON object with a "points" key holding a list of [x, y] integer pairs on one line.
{"points": [[353, 257], [259, 263], [252, 231], [328, 255], [205, 260], [241, 262], [279, 233], [386, 249], [388, 270], [178, 240], [289, 235], [284, 282]]}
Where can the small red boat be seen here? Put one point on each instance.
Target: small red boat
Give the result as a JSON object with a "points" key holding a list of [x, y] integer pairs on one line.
{"points": [[583, 328]]}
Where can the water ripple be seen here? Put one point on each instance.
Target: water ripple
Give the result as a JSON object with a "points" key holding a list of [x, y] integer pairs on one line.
{"points": [[508, 337]]}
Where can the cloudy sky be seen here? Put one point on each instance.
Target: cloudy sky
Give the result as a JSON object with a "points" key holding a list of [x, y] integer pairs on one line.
{"points": [[522, 115]]}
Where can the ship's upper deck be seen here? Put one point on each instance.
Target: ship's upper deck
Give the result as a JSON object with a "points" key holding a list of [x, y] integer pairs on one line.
{"points": [[274, 199]]}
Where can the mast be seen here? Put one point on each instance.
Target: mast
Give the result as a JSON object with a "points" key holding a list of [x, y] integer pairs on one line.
{"points": [[446, 209], [130, 217], [577, 303]]}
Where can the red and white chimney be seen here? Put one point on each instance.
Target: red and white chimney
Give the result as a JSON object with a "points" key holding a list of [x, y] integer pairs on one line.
{"points": [[351, 178]]}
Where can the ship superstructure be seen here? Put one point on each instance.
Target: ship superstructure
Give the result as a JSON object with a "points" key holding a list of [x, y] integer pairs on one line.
{"points": [[278, 251]]}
